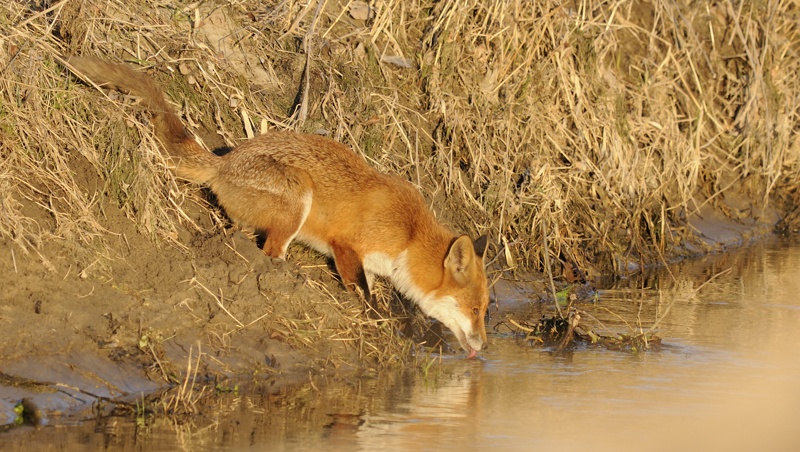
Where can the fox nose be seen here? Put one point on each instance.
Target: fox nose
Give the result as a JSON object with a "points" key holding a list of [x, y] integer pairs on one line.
{"points": [[485, 346]]}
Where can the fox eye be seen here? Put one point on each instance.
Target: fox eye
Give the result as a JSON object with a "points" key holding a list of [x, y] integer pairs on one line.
{"points": [[475, 311]]}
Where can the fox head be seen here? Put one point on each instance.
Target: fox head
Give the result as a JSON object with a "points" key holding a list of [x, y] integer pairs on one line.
{"points": [[463, 297]]}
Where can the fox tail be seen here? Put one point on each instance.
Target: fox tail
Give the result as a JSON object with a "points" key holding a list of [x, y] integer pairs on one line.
{"points": [[189, 159]]}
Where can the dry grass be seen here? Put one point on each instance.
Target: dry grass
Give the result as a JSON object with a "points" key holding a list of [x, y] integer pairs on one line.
{"points": [[604, 123], [607, 121]]}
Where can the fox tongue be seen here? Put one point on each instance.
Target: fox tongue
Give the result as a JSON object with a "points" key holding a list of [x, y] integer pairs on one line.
{"points": [[472, 354]]}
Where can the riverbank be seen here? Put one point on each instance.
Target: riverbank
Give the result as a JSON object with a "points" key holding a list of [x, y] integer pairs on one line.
{"points": [[625, 134]]}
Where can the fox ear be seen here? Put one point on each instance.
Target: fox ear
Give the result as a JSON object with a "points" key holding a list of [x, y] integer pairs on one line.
{"points": [[480, 245], [460, 260]]}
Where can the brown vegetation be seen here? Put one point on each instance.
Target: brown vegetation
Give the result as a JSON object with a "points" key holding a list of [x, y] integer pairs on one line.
{"points": [[608, 121]]}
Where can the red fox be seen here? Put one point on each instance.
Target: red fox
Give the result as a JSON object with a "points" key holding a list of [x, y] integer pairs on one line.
{"points": [[293, 186]]}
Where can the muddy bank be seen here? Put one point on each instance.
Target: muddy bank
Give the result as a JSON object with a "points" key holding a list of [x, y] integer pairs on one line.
{"points": [[279, 415], [726, 339], [76, 342], [715, 226]]}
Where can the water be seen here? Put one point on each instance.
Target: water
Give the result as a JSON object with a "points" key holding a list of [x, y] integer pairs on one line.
{"points": [[727, 378]]}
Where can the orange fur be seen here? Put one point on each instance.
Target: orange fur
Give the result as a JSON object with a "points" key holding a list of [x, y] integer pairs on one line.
{"points": [[291, 186]]}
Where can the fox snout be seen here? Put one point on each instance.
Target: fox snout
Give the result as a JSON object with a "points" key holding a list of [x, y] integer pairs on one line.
{"points": [[474, 342], [477, 341], [471, 339]]}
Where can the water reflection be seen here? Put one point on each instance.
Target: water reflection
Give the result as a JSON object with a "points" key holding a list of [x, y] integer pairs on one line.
{"points": [[727, 378]]}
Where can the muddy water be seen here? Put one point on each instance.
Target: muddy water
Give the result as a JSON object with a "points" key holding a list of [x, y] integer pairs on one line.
{"points": [[726, 378]]}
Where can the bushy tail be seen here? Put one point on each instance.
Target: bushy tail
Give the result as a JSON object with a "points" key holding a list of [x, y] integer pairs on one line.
{"points": [[189, 159]]}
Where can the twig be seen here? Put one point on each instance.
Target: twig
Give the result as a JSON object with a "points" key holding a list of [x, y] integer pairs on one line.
{"points": [[219, 303], [526, 329], [549, 272], [302, 112], [10, 62], [158, 361], [572, 322], [39, 14]]}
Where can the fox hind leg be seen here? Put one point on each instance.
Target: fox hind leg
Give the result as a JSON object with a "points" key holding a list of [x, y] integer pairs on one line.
{"points": [[264, 194], [276, 215], [281, 223]]}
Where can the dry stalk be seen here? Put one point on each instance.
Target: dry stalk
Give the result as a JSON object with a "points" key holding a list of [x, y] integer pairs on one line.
{"points": [[158, 362], [186, 398]]}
